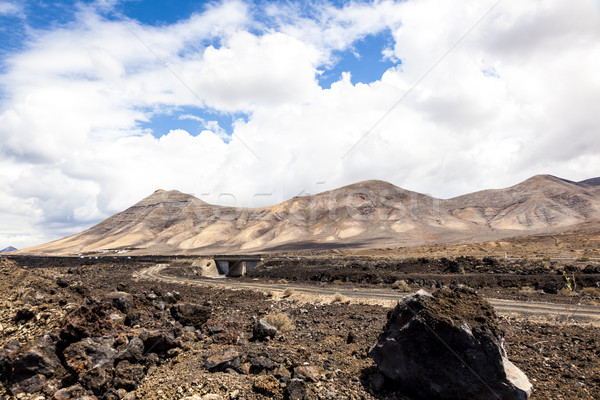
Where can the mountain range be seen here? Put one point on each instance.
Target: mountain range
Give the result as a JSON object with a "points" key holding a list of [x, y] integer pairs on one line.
{"points": [[370, 214]]}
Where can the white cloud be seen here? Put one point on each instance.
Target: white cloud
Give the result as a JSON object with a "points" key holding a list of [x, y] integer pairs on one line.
{"points": [[10, 8], [73, 150]]}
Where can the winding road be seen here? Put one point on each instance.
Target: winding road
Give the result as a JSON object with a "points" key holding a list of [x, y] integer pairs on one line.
{"points": [[539, 309]]}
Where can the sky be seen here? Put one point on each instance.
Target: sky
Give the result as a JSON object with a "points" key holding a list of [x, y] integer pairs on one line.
{"points": [[251, 103]]}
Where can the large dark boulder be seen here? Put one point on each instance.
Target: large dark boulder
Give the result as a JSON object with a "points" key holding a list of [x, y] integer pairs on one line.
{"points": [[222, 361], [28, 368], [88, 320], [448, 346], [263, 330], [90, 353], [159, 342], [191, 314], [127, 375], [122, 301]]}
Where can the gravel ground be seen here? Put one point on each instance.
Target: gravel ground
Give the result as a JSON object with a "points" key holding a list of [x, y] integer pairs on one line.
{"points": [[325, 349]]}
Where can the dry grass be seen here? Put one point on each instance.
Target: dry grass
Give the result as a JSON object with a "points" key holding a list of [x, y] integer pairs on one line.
{"points": [[339, 298], [591, 291], [288, 292], [282, 281], [527, 290], [280, 320], [401, 285], [567, 292], [337, 282]]}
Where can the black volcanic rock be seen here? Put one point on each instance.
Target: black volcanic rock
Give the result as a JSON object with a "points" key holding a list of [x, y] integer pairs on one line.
{"points": [[448, 346]]}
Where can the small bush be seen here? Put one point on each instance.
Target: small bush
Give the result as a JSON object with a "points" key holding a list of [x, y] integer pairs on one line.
{"points": [[591, 291], [337, 282], [527, 290], [401, 285], [567, 292], [288, 292], [339, 298], [282, 281], [280, 320]]}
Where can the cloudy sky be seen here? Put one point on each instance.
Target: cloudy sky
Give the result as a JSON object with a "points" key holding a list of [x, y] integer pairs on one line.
{"points": [[250, 103]]}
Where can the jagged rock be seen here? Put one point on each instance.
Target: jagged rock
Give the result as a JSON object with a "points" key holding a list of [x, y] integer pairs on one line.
{"points": [[29, 367], [127, 375], [266, 385], [448, 346], [63, 281], [296, 389], [97, 379], [89, 353], [6, 357], [87, 320], [159, 305], [158, 342], [282, 372], [216, 325], [169, 298], [307, 373], [132, 318], [72, 392], [122, 301], [133, 352], [263, 330], [32, 384], [191, 314], [223, 361], [260, 363]]}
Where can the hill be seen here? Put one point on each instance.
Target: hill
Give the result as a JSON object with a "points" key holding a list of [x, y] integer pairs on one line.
{"points": [[8, 249], [370, 214]]}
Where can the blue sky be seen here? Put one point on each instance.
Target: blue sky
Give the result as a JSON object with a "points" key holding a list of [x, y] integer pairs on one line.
{"points": [[257, 101]]}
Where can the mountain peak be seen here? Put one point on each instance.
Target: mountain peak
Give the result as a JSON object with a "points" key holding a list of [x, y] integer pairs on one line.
{"points": [[9, 248], [591, 182], [546, 178]]}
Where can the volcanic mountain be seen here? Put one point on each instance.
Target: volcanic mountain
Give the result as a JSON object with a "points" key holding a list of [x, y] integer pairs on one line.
{"points": [[363, 215], [8, 249]]}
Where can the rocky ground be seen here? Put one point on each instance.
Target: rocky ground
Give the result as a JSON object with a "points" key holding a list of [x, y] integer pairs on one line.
{"points": [[576, 280], [86, 329]]}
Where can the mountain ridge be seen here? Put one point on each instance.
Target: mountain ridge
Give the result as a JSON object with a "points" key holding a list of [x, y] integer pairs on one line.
{"points": [[8, 249], [370, 213]]}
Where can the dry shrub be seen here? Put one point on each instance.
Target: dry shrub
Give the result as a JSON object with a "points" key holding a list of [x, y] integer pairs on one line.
{"points": [[280, 320], [401, 285], [288, 292], [567, 292], [337, 282], [282, 281], [339, 298], [591, 291], [527, 290]]}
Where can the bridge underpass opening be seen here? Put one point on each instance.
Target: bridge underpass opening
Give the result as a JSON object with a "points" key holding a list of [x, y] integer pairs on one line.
{"points": [[235, 268]]}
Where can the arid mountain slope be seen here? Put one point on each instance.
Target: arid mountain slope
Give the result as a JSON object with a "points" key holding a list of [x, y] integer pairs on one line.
{"points": [[366, 214], [541, 202]]}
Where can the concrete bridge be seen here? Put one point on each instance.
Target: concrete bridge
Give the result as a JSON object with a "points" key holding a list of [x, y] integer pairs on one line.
{"points": [[236, 265]]}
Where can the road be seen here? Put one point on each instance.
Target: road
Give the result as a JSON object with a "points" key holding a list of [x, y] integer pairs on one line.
{"points": [[540, 309]]}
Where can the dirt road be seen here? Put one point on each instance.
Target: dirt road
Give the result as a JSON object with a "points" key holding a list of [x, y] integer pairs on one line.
{"points": [[538, 309]]}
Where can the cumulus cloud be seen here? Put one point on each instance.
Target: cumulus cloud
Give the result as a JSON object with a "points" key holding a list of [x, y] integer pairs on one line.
{"points": [[514, 97], [9, 8]]}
